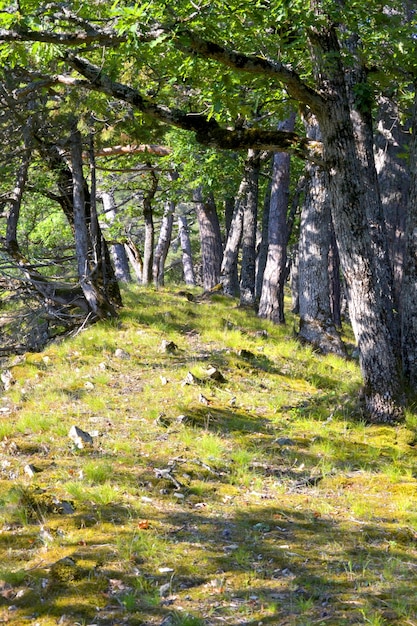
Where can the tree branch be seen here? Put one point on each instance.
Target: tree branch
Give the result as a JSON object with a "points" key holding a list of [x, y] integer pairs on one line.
{"points": [[134, 149], [104, 38], [208, 132], [192, 44]]}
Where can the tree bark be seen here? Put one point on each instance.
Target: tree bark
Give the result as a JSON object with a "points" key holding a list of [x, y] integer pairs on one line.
{"points": [[117, 249], [135, 258], [100, 306], [391, 144], [187, 259], [348, 195], [334, 278], [58, 298], [360, 101], [250, 221], [149, 229], [409, 283], [163, 244], [17, 194], [316, 319], [229, 272], [210, 238], [56, 159], [271, 305]]}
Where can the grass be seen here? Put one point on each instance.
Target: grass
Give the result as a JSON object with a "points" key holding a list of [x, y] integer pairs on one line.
{"points": [[262, 498]]}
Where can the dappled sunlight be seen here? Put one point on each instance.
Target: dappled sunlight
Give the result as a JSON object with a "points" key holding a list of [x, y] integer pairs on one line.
{"points": [[255, 495]]}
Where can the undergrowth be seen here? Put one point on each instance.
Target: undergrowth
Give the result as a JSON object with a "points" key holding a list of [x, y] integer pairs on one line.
{"points": [[228, 479]]}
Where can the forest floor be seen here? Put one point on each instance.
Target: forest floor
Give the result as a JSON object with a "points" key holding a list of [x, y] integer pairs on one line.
{"points": [[190, 465]]}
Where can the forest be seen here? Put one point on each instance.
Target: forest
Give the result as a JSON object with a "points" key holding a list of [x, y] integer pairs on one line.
{"points": [[242, 146], [208, 290]]}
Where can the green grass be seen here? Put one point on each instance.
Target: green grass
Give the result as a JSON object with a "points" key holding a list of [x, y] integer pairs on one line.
{"points": [[270, 502]]}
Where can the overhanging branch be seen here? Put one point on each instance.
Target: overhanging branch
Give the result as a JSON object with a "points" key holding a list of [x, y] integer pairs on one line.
{"points": [[191, 43], [207, 131]]}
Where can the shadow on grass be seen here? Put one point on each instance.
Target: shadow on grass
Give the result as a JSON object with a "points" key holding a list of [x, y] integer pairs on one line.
{"points": [[288, 566]]}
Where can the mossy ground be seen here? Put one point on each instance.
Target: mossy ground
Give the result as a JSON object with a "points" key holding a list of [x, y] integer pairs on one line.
{"points": [[260, 499]]}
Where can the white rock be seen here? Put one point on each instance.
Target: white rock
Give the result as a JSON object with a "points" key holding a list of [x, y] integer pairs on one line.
{"points": [[80, 437], [121, 354]]}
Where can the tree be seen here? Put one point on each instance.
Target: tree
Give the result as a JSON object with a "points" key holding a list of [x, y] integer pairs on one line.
{"points": [[164, 241], [271, 305], [316, 320], [120, 260], [210, 238], [183, 233], [189, 40], [409, 283]]}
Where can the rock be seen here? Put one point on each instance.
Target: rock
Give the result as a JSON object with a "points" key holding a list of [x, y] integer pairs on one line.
{"points": [[263, 334], [168, 346], [164, 590], [284, 441], [121, 354], [203, 400], [63, 507], [215, 374], [7, 379], [80, 437], [190, 379], [163, 420], [31, 470], [186, 294], [246, 354]]}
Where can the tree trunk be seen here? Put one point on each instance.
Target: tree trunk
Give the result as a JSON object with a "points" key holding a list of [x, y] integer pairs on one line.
{"points": [[56, 159], [17, 194], [360, 101], [250, 220], [162, 247], [334, 278], [187, 260], [348, 195], [262, 255], [271, 305], [98, 303], [210, 238], [149, 229], [229, 273], [135, 258], [409, 283], [316, 320], [394, 181], [117, 250]]}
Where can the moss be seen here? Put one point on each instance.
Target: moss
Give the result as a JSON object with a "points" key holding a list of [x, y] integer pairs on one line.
{"points": [[281, 498]]}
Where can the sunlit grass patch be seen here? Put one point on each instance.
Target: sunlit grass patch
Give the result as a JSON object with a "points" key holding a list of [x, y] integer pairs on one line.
{"points": [[259, 498]]}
